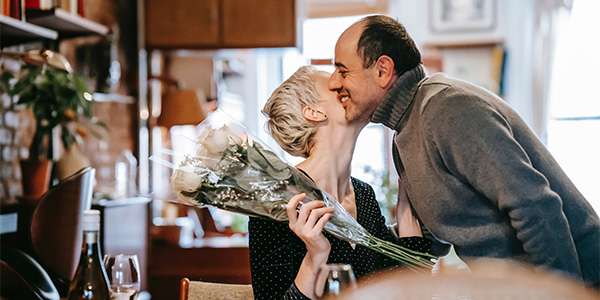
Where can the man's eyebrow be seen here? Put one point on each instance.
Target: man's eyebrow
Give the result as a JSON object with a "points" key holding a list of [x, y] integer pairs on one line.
{"points": [[339, 65]]}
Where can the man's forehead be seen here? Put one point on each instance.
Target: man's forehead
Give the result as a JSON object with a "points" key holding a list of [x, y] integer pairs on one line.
{"points": [[348, 41], [352, 33]]}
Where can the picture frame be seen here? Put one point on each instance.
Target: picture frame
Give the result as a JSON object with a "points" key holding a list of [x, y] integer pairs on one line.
{"points": [[462, 15]]}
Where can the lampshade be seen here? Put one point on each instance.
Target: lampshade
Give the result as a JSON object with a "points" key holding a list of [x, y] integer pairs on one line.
{"points": [[181, 107]]}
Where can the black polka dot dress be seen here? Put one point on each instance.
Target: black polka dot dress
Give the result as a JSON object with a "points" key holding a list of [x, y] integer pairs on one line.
{"points": [[276, 252]]}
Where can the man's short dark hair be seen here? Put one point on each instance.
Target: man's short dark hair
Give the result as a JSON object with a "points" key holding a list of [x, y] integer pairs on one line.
{"points": [[383, 35]]}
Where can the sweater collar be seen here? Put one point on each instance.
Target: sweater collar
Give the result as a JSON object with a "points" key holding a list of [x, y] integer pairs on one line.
{"points": [[398, 98]]}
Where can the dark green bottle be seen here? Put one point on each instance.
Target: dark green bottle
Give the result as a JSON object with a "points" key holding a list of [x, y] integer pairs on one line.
{"points": [[90, 281]]}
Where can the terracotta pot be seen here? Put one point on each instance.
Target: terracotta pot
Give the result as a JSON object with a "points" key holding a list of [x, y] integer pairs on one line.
{"points": [[35, 178]]}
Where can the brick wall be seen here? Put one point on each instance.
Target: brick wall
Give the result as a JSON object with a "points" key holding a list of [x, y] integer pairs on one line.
{"points": [[17, 126], [10, 186], [103, 152], [16, 133]]}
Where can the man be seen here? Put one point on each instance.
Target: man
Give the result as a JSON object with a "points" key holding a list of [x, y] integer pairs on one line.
{"points": [[475, 174]]}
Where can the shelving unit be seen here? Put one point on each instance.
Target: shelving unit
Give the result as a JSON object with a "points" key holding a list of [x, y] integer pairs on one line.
{"points": [[66, 24], [16, 32], [46, 25]]}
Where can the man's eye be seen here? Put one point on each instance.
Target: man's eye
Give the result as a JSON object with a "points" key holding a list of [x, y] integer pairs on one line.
{"points": [[343, 73]]}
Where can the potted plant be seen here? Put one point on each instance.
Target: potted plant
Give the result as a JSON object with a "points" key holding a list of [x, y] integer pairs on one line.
{"points": [[58, 99]]}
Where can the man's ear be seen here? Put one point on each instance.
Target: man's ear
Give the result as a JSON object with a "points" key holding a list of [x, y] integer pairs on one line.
{"points": [[385, 71], [312, 114]]}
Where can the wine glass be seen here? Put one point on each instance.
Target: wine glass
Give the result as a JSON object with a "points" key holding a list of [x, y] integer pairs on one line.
{"points": [[123, 275], [332, 279]]}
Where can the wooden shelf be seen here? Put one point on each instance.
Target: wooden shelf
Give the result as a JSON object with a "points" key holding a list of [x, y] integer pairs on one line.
{"points": [[15, 32], [68, 25]]}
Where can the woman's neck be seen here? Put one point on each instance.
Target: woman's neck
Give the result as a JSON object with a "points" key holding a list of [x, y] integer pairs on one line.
{"points": [[329, 163]]}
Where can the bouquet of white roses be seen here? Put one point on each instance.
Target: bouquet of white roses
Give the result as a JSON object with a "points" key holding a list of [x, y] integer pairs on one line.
{"points": [[232, 171]]}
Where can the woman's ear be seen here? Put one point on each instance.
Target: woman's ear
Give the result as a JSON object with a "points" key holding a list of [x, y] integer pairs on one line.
{"points": [[313, 114], [385, 71]]}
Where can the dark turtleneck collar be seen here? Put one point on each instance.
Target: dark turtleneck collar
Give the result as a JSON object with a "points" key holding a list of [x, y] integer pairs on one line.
{"points": [[398, 98]]}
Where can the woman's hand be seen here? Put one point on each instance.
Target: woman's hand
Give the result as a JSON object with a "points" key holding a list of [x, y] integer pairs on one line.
{"points": [[408, 225], [308, 225]]}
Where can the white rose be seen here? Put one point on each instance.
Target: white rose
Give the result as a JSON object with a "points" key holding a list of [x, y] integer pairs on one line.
{"points": [[185, 179], [214, 142], [185, 200], [235, 140], [204, 134]]}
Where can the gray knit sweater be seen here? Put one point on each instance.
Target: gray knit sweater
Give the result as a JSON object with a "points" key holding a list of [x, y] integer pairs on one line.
{"points": [[479, 178]]}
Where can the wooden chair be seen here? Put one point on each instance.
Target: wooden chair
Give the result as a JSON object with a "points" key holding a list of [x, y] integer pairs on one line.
{"points": [[55, 232], [198, 290]]}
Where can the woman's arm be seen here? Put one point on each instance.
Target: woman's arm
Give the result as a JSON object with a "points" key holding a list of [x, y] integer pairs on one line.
{"points": [[408, 225], [275, 256], [308, 225]]}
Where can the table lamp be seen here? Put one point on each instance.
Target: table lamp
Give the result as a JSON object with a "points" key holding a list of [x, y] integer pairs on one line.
{"points": [[182, 107]]}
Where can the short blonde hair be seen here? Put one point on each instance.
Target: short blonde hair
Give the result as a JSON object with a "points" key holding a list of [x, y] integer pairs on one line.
{"points": [[284, 108]]}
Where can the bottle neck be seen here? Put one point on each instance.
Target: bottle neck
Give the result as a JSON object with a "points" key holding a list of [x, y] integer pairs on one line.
{"points": [[90, 242]]}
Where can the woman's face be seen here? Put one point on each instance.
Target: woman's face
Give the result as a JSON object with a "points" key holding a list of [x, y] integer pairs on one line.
{"points": [[329, 103]]}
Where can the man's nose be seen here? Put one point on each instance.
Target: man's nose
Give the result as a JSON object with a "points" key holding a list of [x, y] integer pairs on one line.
{"points": [[334, 82]]}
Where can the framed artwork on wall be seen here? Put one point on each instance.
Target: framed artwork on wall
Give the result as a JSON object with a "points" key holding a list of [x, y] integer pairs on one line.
{"points": [[462, 15]]}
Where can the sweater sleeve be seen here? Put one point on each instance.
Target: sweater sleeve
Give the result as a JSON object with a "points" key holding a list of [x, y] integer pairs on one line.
{"points": [[477, 144], [275, 257], [293, 293]]}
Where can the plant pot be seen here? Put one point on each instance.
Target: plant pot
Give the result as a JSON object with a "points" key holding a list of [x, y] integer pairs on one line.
{"points": [[35, 178]]}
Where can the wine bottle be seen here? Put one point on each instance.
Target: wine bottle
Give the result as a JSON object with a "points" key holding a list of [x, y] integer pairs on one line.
{"points": [[90, 281]]}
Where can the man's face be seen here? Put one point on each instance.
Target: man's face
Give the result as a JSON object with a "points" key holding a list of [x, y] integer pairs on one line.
{"points": [[357, 88]]}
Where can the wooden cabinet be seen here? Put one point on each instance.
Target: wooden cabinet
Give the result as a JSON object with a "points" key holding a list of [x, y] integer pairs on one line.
{"points": [[182, 23], [258, 23], [211, 24]]}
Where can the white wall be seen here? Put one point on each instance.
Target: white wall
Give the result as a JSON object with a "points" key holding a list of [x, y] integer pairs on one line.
{"points": [[514, 25]]}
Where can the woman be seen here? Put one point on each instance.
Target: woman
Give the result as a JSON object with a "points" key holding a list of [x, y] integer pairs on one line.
{"points": [[307, 120]]}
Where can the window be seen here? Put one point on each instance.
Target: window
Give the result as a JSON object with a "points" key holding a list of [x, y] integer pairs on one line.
{"points": [[574, 117]]}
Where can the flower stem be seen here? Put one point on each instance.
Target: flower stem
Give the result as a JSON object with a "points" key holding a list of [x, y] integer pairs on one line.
{"points": [[414, 260]]}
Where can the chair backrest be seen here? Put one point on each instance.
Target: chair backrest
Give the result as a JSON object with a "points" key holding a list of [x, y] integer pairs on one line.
{"points": [[489, 279], [55, 231], [198, 290], [23, 277]]}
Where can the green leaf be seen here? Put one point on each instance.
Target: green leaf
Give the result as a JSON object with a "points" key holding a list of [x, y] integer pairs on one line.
{"points": [[279, 174], [67, 138], [5, 78], [50, 94], [271, 157], [257, 159], [268, 162]]}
